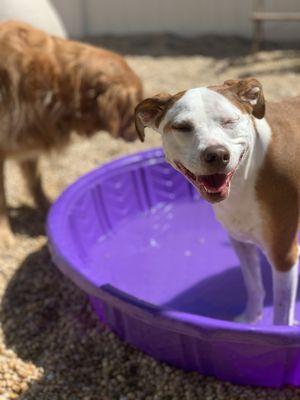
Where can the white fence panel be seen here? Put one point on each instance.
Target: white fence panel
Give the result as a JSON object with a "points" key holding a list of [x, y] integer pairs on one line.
{"points": [[184, 17]]}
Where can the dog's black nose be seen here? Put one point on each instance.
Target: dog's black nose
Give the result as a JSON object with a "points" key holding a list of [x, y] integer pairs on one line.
{"points": [[216, 156]]}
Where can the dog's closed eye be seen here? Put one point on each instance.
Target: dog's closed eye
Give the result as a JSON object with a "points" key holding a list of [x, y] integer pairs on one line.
{"points": [[228, 122], [184, 126]]}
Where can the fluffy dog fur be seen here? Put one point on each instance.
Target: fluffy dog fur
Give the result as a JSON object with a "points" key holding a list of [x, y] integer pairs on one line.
{"points": [[50, 87]]}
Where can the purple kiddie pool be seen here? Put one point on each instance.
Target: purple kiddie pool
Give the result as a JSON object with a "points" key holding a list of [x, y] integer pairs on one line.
{"points": [[159, 270]]}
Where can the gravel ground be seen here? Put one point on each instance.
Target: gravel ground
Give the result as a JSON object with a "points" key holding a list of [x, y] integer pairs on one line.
{"points": [[51, 345]]}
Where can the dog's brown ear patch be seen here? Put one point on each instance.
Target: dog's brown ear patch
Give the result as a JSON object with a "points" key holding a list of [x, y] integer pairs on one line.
{"points": [[250, 93], [149, 113]]}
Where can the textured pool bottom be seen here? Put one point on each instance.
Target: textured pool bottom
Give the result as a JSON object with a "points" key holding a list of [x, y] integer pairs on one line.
{"points": [[162, 274]]}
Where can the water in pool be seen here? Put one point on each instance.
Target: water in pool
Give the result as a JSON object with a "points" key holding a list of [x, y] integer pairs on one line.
{"points": [[170, 258]]}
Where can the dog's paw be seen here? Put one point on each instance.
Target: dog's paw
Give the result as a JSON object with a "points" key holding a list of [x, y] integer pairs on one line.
{"points": [[246, 318]]}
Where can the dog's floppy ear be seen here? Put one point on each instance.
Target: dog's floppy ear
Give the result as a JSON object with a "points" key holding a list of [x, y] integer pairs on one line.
{"points": [[250, 92], [149, 112]]}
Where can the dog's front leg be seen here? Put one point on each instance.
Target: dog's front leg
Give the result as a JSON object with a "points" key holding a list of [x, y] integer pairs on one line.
{"points": [[251, 271]]}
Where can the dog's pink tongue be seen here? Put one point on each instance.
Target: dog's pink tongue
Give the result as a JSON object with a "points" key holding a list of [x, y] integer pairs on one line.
{"points": [[214, 182]]}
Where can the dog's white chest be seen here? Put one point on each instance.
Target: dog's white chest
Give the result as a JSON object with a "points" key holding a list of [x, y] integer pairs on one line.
{"points": [[240, 214]]}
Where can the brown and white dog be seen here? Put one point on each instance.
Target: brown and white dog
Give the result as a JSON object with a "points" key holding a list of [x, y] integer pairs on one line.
{"points": [[50, 87], [243, 156]]}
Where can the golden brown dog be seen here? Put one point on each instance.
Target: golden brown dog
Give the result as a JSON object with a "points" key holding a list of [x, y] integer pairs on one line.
{"points": [[50, 87]]}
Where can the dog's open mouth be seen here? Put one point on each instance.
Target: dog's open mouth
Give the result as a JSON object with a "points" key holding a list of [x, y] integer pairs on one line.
{"points": [[214, 187]]}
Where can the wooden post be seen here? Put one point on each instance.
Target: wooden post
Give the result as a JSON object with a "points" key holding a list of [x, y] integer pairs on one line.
{"points": [[258, 6]]}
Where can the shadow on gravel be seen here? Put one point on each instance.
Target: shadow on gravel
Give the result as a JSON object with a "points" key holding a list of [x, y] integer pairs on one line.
{"points": [[48, 321]]}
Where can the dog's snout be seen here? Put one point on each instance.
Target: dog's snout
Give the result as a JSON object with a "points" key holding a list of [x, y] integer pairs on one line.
{"points": [[216, 156]]}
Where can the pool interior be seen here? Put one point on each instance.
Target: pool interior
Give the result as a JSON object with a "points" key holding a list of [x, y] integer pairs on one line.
{"points": [[176, 256], [163, 246]]}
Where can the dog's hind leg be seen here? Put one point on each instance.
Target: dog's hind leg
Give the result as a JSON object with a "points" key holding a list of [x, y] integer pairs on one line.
{"points": [[282, 251], [285, 291], [6, 235], [285, 281], [32, 176], [249, 260]]}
